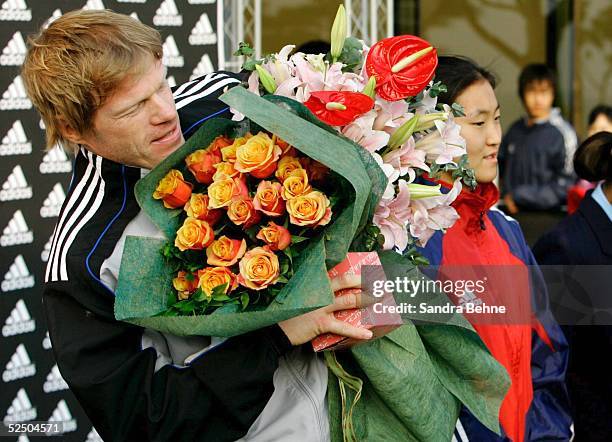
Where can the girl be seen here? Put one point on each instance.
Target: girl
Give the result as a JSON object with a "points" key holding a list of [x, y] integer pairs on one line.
{"points": [[534, 352]]}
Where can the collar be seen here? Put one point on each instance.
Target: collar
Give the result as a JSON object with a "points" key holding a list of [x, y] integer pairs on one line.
{"points": [[555, 114], [600, 198]]}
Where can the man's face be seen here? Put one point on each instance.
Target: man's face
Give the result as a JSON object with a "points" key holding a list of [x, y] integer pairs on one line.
{"points": [[538, 98], [138, 125]]}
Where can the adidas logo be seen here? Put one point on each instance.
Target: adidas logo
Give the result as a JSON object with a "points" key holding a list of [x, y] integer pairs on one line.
{"points": [[202, 33], [62, 415], [167, 15], [19, 321], [171, 81], [54, 16], [14, 52], [21, 409], [172, 58], [55, 161], [15, 96], [20, 366], [53, 203], [93, 436], [93, 5], [16, 232], [55, 381], [15, 187], [46, 342], [18, 277], [15, 141], [15, 10], [44, 255], [204, 67]]}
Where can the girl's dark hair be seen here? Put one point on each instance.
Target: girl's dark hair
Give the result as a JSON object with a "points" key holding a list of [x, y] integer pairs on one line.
{"points": [[593, 159], [600, 109], [458, 73]]}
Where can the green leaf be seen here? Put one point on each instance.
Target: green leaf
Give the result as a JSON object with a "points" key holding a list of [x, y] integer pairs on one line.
{"points": [[296, 239], [458, 110], [199, 295], [244, 300], [244, 49]]}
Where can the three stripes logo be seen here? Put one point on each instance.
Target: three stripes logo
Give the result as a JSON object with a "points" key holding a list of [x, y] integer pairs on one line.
{"points": [[204, 67], [167, 15], [15, 96], [20, 366], [62, 415], [16, 232], [18, 276], [53, 203], [46, 342], [203, 33], [55, 381], [20, 409], [93, 436], [55, 161], [19, 321], [172, 58], [15, 187], [15, 141], [94, 5], [15, 10], [44, 255], [14, 52]]}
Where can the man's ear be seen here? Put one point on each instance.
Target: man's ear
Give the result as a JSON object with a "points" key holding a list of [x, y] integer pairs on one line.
{"points": [[69, 132]]}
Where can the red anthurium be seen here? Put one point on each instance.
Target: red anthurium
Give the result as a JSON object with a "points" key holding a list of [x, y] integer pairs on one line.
{"points": [[338, 108], [402, 65]]}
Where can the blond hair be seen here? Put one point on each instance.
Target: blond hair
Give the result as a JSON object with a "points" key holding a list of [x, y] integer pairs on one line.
{"points": [[76, 64]]}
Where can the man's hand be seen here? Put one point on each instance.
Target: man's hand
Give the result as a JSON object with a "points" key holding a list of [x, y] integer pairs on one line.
{"points": [[306, 327], [510, 204]]}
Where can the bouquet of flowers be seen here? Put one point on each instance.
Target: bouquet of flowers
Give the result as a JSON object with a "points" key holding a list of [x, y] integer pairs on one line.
{"points": [[248, 247]]}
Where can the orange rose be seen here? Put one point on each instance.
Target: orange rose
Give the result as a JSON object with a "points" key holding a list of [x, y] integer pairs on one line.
{"points": [[228, 153], [315, 170], [286, 165], [286, 148], [311, 209], [201, 164], [222, 191], [258, 156], [197, 207], [185, 284], [212, 277], [268, 198], [275, 236], [173, 190], [259, 268], [296, 184], [242, 212], [194, 234], [225, 251], [225, 169]]}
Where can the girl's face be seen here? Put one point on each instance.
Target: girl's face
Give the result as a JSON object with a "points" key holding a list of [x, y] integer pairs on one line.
{"points": [[481, 129]]}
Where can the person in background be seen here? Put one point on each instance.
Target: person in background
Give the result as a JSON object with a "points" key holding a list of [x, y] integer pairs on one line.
{"points": [[600, 120], [585, 238], [533, 352], [535, 155]]}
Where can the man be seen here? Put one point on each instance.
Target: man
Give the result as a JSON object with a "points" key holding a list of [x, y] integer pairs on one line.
{"points": [[97, 80], [535, 157]]}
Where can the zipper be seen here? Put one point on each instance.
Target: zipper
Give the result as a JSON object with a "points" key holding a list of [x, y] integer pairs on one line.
{"points": [[304, 388]]}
